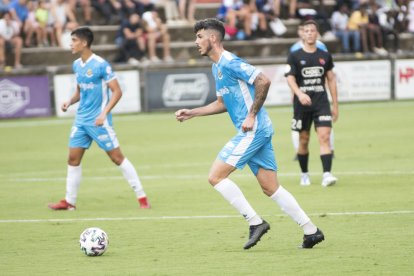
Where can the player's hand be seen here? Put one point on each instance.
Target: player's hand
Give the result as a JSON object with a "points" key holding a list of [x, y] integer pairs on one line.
{"points": [[65, 106], [248, 123], [183, 114], [100, 119], [304, 99]]}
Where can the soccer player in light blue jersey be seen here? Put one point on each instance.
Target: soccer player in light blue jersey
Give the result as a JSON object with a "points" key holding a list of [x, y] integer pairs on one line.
{"points": [[95, 79], [241, 91]]}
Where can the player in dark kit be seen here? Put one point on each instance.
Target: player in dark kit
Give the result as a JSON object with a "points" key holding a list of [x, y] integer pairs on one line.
{"points": [[306, 72]]}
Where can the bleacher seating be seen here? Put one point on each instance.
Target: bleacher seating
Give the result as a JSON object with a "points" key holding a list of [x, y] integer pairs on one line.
{"points": [[182, 42]]}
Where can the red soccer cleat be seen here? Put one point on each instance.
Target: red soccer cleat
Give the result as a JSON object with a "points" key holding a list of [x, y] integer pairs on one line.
{"points": [[62, 205], [143, 203]]}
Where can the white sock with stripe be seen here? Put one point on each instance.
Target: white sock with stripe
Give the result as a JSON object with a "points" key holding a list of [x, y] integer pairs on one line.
{"points": [[290, 206], [73, 179], [131, 176], [231, 192]]}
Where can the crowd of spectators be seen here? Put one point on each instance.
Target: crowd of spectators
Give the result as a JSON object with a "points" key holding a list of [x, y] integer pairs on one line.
{"points": [[362, 26]]}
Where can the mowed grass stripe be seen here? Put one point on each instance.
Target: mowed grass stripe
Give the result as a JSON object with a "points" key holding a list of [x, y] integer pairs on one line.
{"points": [[192, 176], [362, 213]]}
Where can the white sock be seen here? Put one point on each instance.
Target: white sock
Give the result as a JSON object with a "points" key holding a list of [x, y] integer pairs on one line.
{"points": [[231, 192], [332, 139], [131, 176], [295, 140], [73, 179], [290, 206]]}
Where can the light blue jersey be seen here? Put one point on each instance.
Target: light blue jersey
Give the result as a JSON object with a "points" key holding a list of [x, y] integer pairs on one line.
{"points": [[299, 45], [92, 77], [234, 83]]}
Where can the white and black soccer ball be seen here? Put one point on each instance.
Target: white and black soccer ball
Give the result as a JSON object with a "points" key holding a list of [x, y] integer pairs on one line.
{"points": [[93, 241]]}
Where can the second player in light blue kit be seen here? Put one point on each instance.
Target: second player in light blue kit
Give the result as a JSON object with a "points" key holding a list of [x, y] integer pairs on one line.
{"points": [[241, 91], [97, 92]]}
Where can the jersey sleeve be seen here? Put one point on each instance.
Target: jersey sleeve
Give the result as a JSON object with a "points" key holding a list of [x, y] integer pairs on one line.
{"points": [[239, 69], [329, 63], [291, 68], [106, 72]]}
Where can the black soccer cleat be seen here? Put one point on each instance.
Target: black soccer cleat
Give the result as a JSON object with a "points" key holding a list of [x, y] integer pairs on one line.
{"points": [[255, 233], [310, 241]]}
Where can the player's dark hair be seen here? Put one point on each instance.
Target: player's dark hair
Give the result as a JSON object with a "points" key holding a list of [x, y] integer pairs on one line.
{"points": [[311, 22], [210, 24], [84, 33]]}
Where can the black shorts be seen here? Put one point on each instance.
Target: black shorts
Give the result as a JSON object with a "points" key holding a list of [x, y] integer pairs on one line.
{"points": [[302, 120]]}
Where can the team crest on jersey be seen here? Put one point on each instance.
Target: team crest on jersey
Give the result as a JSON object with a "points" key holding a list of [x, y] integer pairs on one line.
{"points": [[303, 62], [108, 70], [219, 75], [322, 61], [89, 73]]}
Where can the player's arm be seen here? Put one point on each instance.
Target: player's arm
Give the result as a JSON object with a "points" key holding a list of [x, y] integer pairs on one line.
{"points": [[74, 99], [330, 77], [116, 95], [304, 99], [215, 107], [261, 85]]}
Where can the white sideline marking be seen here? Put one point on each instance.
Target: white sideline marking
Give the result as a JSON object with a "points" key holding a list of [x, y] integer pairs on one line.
{"points": [[191, 176], [401, 212]]}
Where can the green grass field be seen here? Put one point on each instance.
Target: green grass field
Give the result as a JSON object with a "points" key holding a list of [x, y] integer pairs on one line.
{"points": [[368, 217]]}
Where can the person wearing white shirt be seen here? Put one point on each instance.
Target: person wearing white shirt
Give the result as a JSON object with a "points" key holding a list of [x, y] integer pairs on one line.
{"points": [[9, 37], [339, 22]]}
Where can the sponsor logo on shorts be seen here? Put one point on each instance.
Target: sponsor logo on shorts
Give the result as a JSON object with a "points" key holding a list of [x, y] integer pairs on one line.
{"points": [[103, 137], [325, 118]]}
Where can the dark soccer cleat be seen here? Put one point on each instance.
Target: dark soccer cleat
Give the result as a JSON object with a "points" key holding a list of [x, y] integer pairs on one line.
{"points": [[256, 232], [62, 205], [310, 241]]}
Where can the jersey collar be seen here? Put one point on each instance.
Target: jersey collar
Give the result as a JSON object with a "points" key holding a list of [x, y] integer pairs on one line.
{"points": [[83, 64]]}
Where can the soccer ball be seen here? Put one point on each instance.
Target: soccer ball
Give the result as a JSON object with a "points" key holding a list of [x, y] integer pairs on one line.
{"points": [[93, 241]]}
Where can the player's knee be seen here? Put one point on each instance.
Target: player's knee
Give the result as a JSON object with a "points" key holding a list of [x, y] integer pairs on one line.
{"points": [[214, 179], [304, 144], [73, 161], [117, 160], [324, 138]]}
